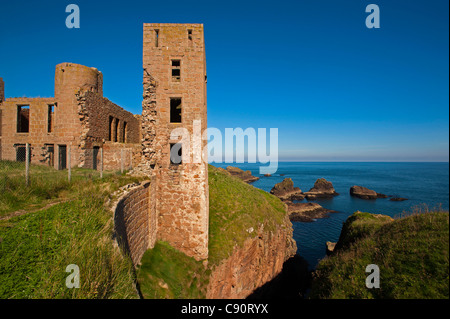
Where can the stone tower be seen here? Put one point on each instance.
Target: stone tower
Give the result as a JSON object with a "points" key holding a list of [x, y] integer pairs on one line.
{"points": [[175, 97], [70, 79]]}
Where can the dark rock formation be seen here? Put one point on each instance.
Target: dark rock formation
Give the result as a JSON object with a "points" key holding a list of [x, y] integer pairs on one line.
{"points": [[245, 176], [267, 175], [398, 199], [322, 189], [291, 284], [306, 212], [365, 193], [286, 191]]}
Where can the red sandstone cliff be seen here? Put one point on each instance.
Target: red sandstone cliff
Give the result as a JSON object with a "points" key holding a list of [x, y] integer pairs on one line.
{"points": [[258, 261]]}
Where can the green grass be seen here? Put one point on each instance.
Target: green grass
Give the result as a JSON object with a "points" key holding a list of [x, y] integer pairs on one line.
{"points": [[412, 254], [35, 248], [234, 207], [46, 185], [167, 273]]}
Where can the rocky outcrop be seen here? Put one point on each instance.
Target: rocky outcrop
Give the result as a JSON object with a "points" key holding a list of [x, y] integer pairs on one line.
{"points": [[286, 191], [306, 212], [257, 262], [365, 193], [398, 199], [246, 176], [330, 248], [321, 189]]}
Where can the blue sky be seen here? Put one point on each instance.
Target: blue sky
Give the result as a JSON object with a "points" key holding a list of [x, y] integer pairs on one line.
{"points": [[336, 90]]}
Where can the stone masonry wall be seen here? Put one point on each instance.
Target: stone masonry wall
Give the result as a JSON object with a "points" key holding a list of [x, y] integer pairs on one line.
{"points": [[114, 153], [95, 113], [132, 222], [80, 121], [38, 134], [181, 196]]}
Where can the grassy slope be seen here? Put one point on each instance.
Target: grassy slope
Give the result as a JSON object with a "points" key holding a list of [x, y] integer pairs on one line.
{"points": [[46, 185], [234, 207], [35, 248], [412, 254]]}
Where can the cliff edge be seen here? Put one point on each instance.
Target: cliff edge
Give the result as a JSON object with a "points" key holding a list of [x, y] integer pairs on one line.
{"points": [[412, 254], [250, 238]]}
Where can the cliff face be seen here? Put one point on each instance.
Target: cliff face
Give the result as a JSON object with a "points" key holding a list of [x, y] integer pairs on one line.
{"points": [[257, 262]]}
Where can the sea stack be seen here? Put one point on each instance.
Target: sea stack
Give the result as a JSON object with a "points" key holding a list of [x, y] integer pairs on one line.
{"points": [[322, 189], [286, 191]]}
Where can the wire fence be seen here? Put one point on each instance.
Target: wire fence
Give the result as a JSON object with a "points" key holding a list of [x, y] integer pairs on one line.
{"points": [[27, 163], [31, 177]]}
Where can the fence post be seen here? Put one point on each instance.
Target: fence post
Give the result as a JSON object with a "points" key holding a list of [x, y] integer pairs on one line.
{"points": [[121, 160], [68, 163], [131, 159], [27, 164], [101, 162]]}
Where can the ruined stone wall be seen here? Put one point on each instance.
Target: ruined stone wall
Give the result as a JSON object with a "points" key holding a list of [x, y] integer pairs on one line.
{"points": [[98, 118], [37, 135], [115, 153], [80, 121], [133, 223], [181, 191]]}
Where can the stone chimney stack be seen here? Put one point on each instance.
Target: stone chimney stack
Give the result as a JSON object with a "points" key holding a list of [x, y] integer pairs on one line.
{"points": [[2, 90]]}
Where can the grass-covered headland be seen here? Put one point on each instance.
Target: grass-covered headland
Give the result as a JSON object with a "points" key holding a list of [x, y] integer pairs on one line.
{"points": [[412, 254]]}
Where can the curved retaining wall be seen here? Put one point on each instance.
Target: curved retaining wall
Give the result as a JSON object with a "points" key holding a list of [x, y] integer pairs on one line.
{"points": [[131, 221]]}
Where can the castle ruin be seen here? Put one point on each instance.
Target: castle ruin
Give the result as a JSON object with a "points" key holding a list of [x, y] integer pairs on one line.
{"points": [[79, 117]]}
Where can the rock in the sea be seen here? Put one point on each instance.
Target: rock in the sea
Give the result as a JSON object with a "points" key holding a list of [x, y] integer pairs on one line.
{"points": [[306, 212], [398, 199], [286, 191], [246, 176], [363, 192], [321, 189], [330, 247], [267, 175]]}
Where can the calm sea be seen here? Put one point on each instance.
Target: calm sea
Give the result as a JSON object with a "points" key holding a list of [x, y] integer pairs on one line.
{"points": [[421, 183]]}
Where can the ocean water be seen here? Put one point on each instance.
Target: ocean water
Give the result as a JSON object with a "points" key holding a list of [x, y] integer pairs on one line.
{"points": [[422, 183]]}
